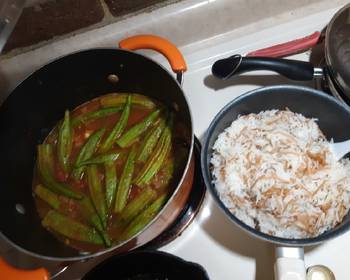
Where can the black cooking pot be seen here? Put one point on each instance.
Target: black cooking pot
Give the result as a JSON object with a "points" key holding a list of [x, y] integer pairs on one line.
{"points": [[39, 102], [333, 119], [133, 265], [147, 265]]}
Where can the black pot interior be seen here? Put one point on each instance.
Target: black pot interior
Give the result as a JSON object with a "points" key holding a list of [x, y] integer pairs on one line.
{"points": [[333, 119], [147, 265], [35, 106]]}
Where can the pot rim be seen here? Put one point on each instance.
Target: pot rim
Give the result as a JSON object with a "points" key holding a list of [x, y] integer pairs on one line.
{"points": [[177, 261], [206, 173], [176, 190]]}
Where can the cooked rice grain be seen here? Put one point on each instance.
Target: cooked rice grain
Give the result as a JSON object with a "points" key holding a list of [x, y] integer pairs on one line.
{"points": [[275, 172]]}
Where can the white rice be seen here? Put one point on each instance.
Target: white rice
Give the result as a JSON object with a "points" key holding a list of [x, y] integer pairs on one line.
{"points": [[275, 172]]}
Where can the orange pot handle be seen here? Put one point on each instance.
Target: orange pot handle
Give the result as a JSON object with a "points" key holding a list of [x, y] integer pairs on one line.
{"points": [[8, 272], [152, 42]]}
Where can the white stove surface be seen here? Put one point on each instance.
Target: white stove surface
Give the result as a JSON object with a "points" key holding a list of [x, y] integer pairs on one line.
{"points": [[212, 240]]}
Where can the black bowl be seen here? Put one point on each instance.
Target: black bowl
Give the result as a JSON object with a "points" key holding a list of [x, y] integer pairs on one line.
{"points": [[147, 265], [333, 118]]}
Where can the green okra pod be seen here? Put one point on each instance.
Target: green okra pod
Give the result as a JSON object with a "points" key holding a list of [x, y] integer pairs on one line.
{"points": [[168, 172], [87, 209], [89, 213], [157, 163], [86, 152], [151, 141], [134, 132], [64, 144], [94, 115], [110, 182], [144, 217], [137, 205], [156, 159], [102, 158], [118, 99], [48, 196], [171, 164], [70, 228], [119, 127], [125, 182], [46, 167], [97, 194]]}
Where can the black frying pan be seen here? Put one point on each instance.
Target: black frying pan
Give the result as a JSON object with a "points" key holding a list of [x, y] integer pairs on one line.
{"points": [[333, 119]]}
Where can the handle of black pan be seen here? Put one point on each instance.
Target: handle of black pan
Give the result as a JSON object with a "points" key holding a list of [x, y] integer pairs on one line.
{"points": [[235, 65]]}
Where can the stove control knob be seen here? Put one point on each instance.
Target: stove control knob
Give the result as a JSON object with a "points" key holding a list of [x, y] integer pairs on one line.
{"points": [[319, 272]]}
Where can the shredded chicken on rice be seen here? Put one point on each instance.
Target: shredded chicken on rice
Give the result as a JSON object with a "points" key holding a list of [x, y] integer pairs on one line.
{"points": [[275, 172]]}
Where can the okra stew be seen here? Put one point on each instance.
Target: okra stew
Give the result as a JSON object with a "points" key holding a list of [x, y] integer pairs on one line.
{"points": [[106, 170]]}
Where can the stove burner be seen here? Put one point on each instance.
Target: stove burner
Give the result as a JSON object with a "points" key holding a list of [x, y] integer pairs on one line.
{"points": [[190, 210]]}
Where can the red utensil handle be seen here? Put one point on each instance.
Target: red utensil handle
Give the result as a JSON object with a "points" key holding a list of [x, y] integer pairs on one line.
{"points": [[159, 44], [288, 48], [8, 272]]}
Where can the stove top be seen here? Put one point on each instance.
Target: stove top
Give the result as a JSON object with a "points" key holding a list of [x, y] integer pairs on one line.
{"points": [[211, 239]]}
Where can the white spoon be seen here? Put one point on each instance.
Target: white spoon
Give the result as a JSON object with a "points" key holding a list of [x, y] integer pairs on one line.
{"points": [[340, 149]]}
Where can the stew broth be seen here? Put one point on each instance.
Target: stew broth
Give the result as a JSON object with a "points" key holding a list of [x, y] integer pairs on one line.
{"points": [[124, 223]]}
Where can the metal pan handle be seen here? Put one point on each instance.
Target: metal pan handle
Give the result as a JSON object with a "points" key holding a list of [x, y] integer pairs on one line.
{"points": [[292, 69], [161, 45], [290, 263]]}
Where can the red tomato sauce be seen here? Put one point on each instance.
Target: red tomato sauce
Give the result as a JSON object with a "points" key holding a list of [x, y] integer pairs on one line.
{"points": [[163, 182]]}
